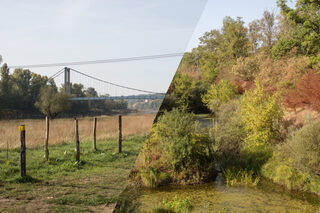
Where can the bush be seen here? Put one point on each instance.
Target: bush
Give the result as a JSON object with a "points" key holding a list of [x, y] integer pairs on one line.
{"points": [[248, 67], [262, 117], [228, 132], [280, 170], [307, 92], [219, 94], [184, 145], [304, 146]]}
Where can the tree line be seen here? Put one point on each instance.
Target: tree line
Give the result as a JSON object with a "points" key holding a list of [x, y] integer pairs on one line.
{"points": [[25, 93], [276, 49]]}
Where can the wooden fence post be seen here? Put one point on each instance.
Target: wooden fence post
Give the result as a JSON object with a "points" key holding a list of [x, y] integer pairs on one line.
{"points": [[46, 144], [94, 133], [77, 141], [7, 150], [23, 150], [120, 133]]}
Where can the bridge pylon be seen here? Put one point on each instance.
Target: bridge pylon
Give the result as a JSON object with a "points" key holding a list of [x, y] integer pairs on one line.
{"points": [[67, 83]]}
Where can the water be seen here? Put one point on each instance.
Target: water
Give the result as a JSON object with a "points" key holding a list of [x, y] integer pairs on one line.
{"points": [[267, 197]]}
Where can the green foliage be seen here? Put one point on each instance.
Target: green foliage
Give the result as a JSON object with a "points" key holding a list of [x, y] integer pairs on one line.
{"points": [[228, 132], [20, 90], [219, 94], [51, 102], [261, 116], [280, 170], [282, 47], [5, 80], [305, 20], [184, 145], [187, 92], [239, 177], [305, 147], [177, 205], [153, 177]]}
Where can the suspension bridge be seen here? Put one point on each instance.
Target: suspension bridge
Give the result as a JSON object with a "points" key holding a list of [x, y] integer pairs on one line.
{"points": [[147, 95], [96, 81]]}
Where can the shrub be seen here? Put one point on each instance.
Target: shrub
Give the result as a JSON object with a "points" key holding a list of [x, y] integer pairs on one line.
{"points": [[280, 170], [219, 94], [247, 68], [307, 92], [262, 117], [304, 146], [228, 132], [184, 145]]}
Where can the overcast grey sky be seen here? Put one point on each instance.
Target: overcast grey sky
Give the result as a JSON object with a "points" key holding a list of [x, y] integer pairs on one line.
{"points": [[38, 31]]}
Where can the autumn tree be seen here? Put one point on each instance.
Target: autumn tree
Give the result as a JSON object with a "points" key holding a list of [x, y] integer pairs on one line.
{"points": [[307, 92]]}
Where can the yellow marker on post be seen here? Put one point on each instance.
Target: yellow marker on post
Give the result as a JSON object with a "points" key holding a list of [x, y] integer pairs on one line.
{"points": [[22, 128], [23, 150]]}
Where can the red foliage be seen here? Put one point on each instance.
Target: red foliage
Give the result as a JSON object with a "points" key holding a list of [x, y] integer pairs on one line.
{"points": [[307, 92]]}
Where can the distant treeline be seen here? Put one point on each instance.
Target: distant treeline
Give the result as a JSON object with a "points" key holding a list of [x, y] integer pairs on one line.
{"points": [[27, 94]]}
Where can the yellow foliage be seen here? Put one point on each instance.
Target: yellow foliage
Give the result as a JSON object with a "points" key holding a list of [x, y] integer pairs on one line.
{"points": [[261, 116]]}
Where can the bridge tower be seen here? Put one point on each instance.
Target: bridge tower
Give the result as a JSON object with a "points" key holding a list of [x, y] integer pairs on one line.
{"points": [[67, 83]]}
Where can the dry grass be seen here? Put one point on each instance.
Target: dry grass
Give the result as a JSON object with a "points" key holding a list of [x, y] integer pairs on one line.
{"points": [[62, 130]]}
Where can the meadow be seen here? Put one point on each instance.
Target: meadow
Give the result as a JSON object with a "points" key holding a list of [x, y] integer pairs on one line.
{"points": [[62, 184], [62, 129]]}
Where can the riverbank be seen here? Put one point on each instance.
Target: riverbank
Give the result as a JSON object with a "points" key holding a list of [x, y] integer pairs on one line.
{"points": [[62, 185]]}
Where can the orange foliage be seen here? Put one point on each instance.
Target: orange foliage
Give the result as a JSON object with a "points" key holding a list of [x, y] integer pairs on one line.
{"points": [[307, 92]]}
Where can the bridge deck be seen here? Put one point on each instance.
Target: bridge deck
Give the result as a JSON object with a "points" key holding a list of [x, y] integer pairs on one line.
{"points": [[146, 97]]}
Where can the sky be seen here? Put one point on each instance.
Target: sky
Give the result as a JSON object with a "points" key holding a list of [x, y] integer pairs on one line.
{"points": [[38, 31]]}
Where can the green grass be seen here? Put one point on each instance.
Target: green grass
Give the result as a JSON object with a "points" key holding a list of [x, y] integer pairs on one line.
{"points": [[62, 184], [239, 177], [177, 205]]}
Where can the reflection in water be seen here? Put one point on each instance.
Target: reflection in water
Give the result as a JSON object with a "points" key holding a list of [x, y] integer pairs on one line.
{"points": [[267, 197]]}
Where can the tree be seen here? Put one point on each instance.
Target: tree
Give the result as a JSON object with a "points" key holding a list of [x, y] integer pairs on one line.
{"points": [[52, 103], [305, 23], [91, 92], [21, 79], [235, 38], [254, 35], [77, 90], [220, 48], [268, 29], [5, 84]]}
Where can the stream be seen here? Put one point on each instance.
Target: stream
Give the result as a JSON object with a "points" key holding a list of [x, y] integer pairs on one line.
{"points": [[212, 197]]}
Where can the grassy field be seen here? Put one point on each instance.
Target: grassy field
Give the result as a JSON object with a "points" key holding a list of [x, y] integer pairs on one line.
{"points": [[62, 130], [62, 185]]}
